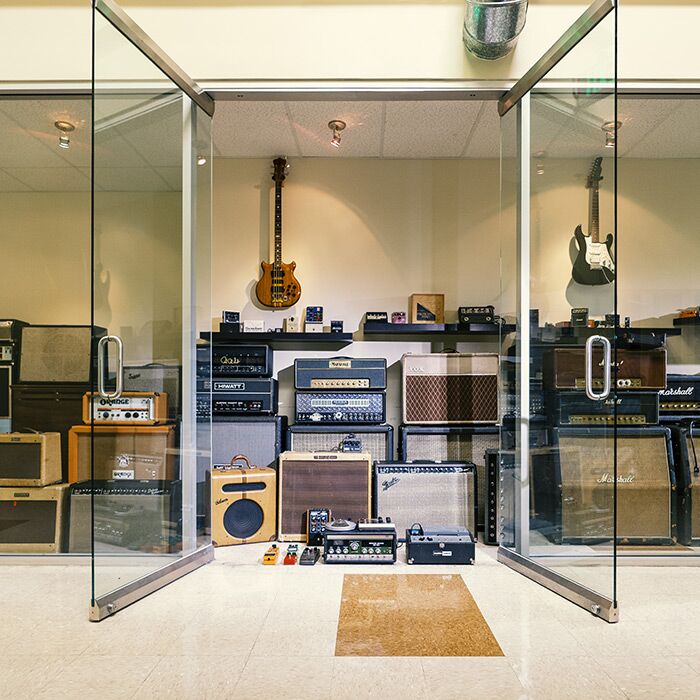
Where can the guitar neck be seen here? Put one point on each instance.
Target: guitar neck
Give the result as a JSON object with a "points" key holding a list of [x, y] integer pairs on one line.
{"points": [[278, 224], [594, 228]]}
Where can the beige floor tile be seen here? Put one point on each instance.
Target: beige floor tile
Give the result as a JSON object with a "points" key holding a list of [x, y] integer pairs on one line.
{"points": [[283, 678], [525, 637], [296, 636], [355, 678]]}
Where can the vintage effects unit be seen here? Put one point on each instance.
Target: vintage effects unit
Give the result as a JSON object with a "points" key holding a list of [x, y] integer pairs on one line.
{"points": [[129, 408], [369, 541]]}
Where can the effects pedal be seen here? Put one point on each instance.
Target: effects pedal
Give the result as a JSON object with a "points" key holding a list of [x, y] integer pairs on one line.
{"points": [[316, 521], [309, 556], [290, 558], [270, 557]]}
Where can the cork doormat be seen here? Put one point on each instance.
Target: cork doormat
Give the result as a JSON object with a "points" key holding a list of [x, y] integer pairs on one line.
{"points": [[411, 615]]}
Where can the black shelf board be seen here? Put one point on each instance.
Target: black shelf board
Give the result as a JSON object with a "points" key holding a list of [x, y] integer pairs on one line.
{"points": [[398, 331], [576, 335], [283, 341], [690, 321]]}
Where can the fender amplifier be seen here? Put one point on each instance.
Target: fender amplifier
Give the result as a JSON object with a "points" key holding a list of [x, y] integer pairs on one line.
{"points": [[30, 459], [160, 378], [626, 408], [5, 398], [432, 494], [680, 399], [32, 518], [340, 373], [261, 439], [450, 388], [129, 516], [378, 440], [338, 481]]}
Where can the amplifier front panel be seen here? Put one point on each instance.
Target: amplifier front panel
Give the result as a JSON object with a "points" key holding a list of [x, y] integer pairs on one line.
{"points": [[259, 439], [56, 354], [378, 444]]}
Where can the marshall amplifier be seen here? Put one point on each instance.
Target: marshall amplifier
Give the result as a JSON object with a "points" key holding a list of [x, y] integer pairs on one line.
{"points": [[241, 360], [30, 459], [378, 440], [681, 397], [136, 408], [5, 398], [337, 481], [336, 407], [686, 452], [129, 516], [260, 438], [627, 408], [429, 493], [158, 378], [32, 519], [565, 368], [240, 396], [450, 388], [339, 373]]}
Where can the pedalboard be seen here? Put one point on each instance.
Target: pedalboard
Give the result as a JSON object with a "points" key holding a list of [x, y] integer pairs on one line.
{"points": [[316, 521], [130, 408]]}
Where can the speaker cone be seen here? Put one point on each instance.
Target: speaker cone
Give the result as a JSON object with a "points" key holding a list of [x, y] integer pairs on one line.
{"points": [[243, 519]]}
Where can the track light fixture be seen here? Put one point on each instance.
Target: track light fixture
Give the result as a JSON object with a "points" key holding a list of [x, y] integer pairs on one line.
{"points": [[336, 126], [610, 129], [65, 128]]}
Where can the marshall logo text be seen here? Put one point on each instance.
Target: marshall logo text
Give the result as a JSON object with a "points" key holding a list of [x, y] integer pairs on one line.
{"points": [[607, 478]]}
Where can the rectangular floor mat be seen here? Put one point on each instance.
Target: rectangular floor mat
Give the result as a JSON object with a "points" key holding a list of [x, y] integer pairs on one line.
{"points": [[411, 615]]}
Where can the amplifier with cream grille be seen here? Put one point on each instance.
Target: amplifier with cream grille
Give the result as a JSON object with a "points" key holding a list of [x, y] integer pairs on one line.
{"points": [[450, 388], [378, 440]]}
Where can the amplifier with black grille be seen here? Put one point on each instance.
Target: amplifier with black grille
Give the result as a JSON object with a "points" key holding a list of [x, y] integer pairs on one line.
{"points": [[260, 438], [680, 400], [378, 440], [450, 388], [433, 494], [625, 408]]}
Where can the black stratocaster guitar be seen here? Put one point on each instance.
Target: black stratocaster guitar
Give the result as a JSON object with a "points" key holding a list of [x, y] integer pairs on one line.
{"points": [[594, 264]]}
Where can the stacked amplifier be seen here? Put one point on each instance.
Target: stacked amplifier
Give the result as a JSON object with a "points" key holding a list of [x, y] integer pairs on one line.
{"points": [[10, 334]]}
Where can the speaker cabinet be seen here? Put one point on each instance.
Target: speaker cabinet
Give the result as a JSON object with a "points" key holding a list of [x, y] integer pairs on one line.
{"points": [[243, 505], [32, 519], [261, 439], [378, 440], [122, 452], [686, 452], [156, 377], [339, 481], [30, 459]]}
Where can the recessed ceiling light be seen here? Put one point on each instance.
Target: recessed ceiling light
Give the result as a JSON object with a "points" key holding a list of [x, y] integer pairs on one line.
{"points": [[65, 128], [336, 126], [201, 160], [610, 129]]}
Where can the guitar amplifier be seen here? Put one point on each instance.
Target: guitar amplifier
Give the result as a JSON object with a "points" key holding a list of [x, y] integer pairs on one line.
{"points": [[681, 397], [58, 354], [432, 494], [130, 408], [160, 378], [565, 368], [450, 388], [244, 396], [30, 459], [340, 373], [10, 339], [5, 398], [686, 453], [627, 408], [129, 516], [241, 360], [335, 407], [260, 438], [32, 519], [378, 440], [338, 481], [122, 453]]}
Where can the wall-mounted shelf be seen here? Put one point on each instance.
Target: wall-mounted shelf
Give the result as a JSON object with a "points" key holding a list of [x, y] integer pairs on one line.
{"points": [[690, 321], [577, 335], [284, 341], [434, 331]]}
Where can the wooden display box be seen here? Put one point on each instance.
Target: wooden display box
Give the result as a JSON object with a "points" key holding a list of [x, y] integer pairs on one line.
{"points": [[427, 308]]}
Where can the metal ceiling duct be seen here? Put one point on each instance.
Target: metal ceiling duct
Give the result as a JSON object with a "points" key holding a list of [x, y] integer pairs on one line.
{"points": [[492, 27]]}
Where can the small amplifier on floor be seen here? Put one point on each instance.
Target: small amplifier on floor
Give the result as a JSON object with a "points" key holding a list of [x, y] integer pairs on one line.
{"points": [[367, 542], [439, 545]]}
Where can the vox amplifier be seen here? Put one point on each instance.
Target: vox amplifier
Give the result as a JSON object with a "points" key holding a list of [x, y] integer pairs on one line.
{"points": [[131, 408], [565, 368], [241, 360], [32, 519], [30, 459], [430, 493], [243, 396], [450, 388], [337, 407], [378, 440], [337, 481], [338, 373], [627, 408], [681, 396]]}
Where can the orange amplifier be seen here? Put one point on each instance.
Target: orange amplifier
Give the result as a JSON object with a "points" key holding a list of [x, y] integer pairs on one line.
{"points": [[131, 408]]}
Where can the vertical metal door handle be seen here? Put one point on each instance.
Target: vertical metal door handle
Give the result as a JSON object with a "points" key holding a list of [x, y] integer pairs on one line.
{"points": [[103, 367], [607, 367]]}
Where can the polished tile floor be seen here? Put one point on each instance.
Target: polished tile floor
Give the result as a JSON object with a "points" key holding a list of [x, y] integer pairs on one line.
{"points": [[236, 629]]}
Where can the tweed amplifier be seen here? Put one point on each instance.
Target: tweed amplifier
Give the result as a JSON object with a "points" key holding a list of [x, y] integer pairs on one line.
{"points": [[260, 438], [231, 397], [338, 373], [30, 459], [32, 519], [122, 453], [450, 388], [565, 368], [336, 407], [681, 396], [5, 398], [626, 408], [378, 440], [430, 493], [129, 516], [241, 360], [338, 481], [156, 377], [243, 504], [130, 408]]}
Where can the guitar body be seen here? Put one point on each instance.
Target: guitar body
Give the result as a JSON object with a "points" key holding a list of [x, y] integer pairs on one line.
{"points": [[594, 265], [278, 288]]}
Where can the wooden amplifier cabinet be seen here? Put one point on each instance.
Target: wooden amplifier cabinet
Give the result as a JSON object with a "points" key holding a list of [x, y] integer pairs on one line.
{"points": [[122, 452], [152, 409], [339, 481], [32, 518], [30, 459], [243, 505]]}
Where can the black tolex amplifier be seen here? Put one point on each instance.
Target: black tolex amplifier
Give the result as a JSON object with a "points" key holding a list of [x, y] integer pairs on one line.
{"points": [[340, 373], [332, 407], [234, 397], [241, 360], [627, 408], [681, 397], [439, 545]]}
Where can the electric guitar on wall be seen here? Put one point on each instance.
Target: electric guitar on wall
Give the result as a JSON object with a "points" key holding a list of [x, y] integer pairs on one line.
{"points": [[278, 288], [594, 264]]}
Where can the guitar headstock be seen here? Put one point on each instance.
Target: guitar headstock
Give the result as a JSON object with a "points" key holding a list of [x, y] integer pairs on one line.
{"points": [[595, 175], [279, 170]]}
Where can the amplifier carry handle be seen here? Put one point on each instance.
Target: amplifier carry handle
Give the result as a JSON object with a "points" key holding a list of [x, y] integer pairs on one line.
{"points": [[241, 458], [103, 366], [607, 367]]}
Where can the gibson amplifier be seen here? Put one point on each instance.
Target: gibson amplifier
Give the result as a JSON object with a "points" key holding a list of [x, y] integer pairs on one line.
{"points": [[260, 438], [243, 504], [359, 543], [378, 440], [135, 408], [440, 545], [338, 481], [627, 408], [237, 360], [241, 396], [30, 459], [158, 378], [32, 519], [681, 396], [476, 314], [430, 493], [121, 452], [565, 368], [337, 373], [332, 407], [5, 398], [450, 388], [129, 516]]}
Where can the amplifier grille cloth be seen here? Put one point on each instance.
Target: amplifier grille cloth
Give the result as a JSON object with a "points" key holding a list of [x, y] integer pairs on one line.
{"points": [[20, 460], [55, 354], [467, 398], [643, 493], [258, 441], [27, 522], [374, 443]]}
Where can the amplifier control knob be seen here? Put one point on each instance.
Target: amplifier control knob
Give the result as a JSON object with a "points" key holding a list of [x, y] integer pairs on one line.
{"points": [[345, 550]]}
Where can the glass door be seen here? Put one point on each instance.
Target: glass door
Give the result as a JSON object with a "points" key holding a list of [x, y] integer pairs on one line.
{"points": [[141, 463], [564, 368]]}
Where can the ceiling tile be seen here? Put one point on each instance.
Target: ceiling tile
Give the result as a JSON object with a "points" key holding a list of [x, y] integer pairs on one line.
{"points": [[157, 135], [11, 184], [143, 179], [485, 138], [65, 179]]}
